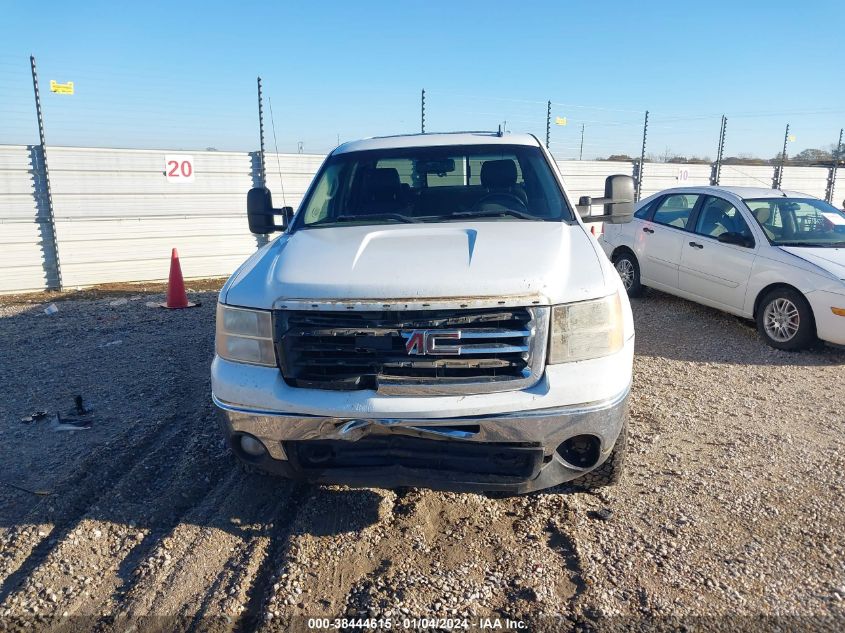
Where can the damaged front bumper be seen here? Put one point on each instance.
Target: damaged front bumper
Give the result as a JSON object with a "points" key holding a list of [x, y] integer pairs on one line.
{"points": [[513, 452]]}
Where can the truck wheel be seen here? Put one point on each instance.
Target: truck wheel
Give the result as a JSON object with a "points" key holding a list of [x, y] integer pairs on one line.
{"points": [[611, 470], [785, 320], [629, 271]]}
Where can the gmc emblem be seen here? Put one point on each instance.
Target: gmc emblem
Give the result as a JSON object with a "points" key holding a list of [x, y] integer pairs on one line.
{"points": [[429, 342]]}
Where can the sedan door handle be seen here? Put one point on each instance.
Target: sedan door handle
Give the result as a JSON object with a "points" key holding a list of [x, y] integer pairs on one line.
{"points": [[696, 245], [647, 230]]}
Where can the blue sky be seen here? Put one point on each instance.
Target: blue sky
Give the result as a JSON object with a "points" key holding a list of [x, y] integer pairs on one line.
{"points": [[182, 74]]}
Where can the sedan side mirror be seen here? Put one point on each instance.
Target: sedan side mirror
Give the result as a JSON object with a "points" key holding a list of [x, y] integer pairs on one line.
{"points": [[262, 216], [618, 201], [731, 237]]}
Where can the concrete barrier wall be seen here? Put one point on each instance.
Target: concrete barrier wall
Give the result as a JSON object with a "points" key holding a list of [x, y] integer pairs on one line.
{"points": [[117, 216]]}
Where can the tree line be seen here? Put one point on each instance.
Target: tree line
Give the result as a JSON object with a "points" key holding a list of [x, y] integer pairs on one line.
{"points": [[811, 156]]}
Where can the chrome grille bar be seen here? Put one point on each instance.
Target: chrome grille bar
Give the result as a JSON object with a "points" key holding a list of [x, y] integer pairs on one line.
{"points": [[482, 349]]}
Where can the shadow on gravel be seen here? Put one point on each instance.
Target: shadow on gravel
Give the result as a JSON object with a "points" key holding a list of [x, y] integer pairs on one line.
{"points": [[677, 329], [153, 459]]}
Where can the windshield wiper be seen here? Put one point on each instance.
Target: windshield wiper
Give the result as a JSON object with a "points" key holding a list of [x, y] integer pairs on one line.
{"points": [[493, 214], [375, 216]]}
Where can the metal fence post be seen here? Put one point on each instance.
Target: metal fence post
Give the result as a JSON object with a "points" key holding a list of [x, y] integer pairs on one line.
{"points": [[262, 174], [642, 159], [422, 111], [717, 167], [51, 218], [548, 122], [778, 180], [831, 178], [581, 150]]}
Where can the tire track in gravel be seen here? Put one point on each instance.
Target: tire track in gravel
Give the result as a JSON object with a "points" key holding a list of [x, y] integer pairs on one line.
{"points": [[333, 522], [54, 517], [152, 464], [205, 571], [424, 553]]}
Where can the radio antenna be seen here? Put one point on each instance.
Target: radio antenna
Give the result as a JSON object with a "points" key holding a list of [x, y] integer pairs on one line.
{"points": [[276, 145]]}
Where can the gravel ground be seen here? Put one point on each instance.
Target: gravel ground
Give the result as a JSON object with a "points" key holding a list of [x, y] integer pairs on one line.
{"points": [[730, 513]]}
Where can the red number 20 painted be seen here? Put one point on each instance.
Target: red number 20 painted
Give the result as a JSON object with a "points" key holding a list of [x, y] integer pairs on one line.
{"points": [[179, 168], [185, 169]]}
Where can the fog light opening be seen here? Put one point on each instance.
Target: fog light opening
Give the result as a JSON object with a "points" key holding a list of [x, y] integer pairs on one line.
{"points": [[250, 447], [580, 451]]}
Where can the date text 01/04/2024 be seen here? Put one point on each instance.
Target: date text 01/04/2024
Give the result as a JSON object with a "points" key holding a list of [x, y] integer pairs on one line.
{"points": [[458, 624]]}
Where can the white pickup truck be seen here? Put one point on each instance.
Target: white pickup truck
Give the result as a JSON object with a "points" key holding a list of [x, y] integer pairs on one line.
{"points": [[435, 314]]}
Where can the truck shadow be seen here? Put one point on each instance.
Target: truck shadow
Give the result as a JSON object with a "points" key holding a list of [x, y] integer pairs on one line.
{"points": [[153, 463]]}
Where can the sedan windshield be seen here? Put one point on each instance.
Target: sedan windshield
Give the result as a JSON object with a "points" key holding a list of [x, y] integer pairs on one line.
{"points": [[434, 184], [799, 221]]}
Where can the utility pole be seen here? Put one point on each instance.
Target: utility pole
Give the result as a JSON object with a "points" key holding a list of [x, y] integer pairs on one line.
{"points": [[581, 151], [642, 158], [720, 150], [51, 218], [262, 174], [779, 176], [548, 122], [422, 112], [831, 185]]}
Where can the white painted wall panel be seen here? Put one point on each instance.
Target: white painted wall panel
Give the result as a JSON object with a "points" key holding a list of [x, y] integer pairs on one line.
{"points": [[659, 176], [746, 176], [117, 217], [21, 257], [839, 189], [586, 177], [99, 251], [809, 180], [23, 263]]}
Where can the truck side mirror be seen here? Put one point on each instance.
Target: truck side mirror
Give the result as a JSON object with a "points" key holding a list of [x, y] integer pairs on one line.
{"points": [[618, 201], [584, 207], [260, 212], [620, 189]]}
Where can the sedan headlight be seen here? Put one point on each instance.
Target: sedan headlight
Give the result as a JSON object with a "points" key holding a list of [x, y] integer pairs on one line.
{"points": [[587, 329], [245, 336]]}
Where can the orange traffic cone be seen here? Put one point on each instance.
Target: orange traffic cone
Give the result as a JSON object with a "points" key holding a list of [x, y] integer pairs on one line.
{"points": [[176, 295]]}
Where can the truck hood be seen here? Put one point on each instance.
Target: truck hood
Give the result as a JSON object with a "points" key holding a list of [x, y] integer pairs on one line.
{"points": [[830, 259], [551, 262]]}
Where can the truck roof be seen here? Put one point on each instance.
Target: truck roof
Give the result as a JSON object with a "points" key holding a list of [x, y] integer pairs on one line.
{"points": [[437, 140]]}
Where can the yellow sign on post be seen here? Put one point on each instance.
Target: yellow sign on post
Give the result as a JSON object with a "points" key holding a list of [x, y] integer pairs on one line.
{"points": [[560, 120], [61, 89]]}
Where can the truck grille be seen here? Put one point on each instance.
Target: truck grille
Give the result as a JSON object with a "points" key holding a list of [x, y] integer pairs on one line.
{"points": [[473, 350]]}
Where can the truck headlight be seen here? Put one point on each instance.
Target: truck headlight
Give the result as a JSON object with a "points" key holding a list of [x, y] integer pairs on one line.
{"points": [[587, 329], [245, 336]]}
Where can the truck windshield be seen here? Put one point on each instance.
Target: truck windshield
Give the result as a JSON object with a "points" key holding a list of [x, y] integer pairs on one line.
{"points": [[434, 184], [799, 221]]}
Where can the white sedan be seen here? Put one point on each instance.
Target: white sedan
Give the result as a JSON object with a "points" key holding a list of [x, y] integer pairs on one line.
{"points": [[777, 257]]}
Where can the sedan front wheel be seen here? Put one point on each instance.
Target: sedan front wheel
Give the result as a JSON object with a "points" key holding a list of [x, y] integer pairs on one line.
{"points": [[785, 320]]}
